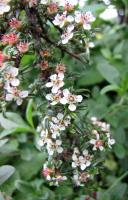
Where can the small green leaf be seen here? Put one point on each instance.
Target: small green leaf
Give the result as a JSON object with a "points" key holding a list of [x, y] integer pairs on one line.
{"points": [[12, 123], [27, 60], [5, 172], [109, 72], [119, 150], [24, 186], [109, 88], [106, 53], [2, 142], [29, 113]]}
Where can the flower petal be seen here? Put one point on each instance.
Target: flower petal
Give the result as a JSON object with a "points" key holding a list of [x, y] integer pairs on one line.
{"points": [[72, 107]]}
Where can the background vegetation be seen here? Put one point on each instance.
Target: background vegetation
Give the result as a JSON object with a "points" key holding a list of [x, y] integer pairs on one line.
{"points": [[106, 77]]}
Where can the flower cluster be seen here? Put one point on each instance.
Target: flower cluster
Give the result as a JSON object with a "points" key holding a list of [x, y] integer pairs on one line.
{"points": [[51, 175], [54, 131], [102, 136], [83, 161], [70, 19], [61, 96], [51, 136], [9, 71], [72, 148]]}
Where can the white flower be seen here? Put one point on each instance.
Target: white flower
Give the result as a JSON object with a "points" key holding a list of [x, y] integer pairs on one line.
{"points": [[61, 122], [55, 130], [105, 127], [81, 178], [17, 95], [94, 120], [71, 99], [54, 147], [97, 143], [83, 161], [10, 77], [61, 20], [67, 35], [84, 19], [56, 82], [4, 7], [44, 136], [54, 98]]}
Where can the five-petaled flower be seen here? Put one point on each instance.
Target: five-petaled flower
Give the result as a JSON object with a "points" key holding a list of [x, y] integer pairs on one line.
{"points": [[10, 75], [84, 19], [71, 99], [17, 95], [81, 160], [56, 82], [61, 20], [97, 143]]}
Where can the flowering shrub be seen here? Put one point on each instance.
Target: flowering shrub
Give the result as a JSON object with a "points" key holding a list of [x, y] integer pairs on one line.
{"points": [[74, 146]]}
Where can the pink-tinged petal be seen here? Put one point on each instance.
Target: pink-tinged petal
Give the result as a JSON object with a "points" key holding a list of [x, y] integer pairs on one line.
{"points": [[101, 148], [40, 143], [54, 103], [7, 86], [55, 120], [49, 97], [51, 152], [55, 89], [66, 92], [85, 152], [72, 107], [58, 142], [59, 149], [70, 18], [70, 28], [60, 116], [88, 163], [87, 26], [15, 82], [49, 84], [94, 148], [9, 97], [14, 71], [61, 84], [65, 41], [90, 16], [97, 136], [53, 77], [61, 76], [62, 128], [74, 157], [79, 98], [62, 24], [63, 101], [92, 141], [19, 101], [83, 166], [74, 165], [23, 94]]}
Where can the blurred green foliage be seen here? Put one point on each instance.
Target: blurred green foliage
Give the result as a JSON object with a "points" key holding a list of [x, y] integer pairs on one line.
{"points": [[106, 76]]}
